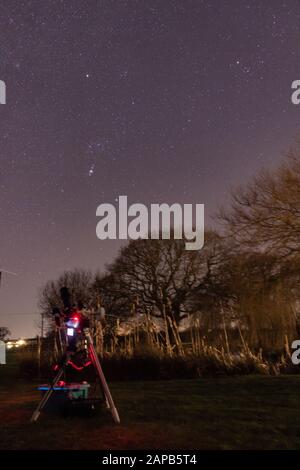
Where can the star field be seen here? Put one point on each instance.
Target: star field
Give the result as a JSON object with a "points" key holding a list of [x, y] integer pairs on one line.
{"points": [[171, 101]]}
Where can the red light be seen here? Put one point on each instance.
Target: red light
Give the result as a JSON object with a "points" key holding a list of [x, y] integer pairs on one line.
{"points": [[74, 320], [88, 363]]}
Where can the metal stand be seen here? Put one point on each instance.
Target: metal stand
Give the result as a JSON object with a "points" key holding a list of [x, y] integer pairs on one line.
{"points": [[96, 363]]}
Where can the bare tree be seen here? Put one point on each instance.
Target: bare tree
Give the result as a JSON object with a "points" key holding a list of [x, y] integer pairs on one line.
{"points": [[79, 283], [4, 333], [265, 215], [159, 276], [263, 222]]}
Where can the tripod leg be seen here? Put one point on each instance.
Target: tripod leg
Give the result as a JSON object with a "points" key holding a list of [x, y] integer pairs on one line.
{"points": [[105, 387], [37, 412]]}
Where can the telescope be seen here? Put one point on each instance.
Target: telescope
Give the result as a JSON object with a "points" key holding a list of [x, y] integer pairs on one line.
{"points": [[79, 352]]}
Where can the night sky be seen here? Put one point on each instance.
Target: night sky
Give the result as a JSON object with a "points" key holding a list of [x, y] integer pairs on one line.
{"points": [[162, 101]]}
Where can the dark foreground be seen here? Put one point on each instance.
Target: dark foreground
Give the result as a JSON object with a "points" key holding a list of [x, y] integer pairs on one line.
{"points": [[250, 412]]}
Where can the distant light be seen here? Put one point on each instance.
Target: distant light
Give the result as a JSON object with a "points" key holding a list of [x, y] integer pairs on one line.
{"points": [[15, 344]]}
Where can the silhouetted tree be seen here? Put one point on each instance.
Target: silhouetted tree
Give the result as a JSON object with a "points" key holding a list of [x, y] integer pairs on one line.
{"points": [[79, 283], [265, 214], [158, 276], [4, 333]]}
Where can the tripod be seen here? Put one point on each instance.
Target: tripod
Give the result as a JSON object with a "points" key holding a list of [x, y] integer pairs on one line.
{"points": [[98, 369]]}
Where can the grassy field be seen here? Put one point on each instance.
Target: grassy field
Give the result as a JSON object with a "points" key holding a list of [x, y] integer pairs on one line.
{"points": [[249, 412]]}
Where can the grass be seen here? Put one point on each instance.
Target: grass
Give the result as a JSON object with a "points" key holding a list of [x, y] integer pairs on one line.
{"points": [[249, 412]]}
